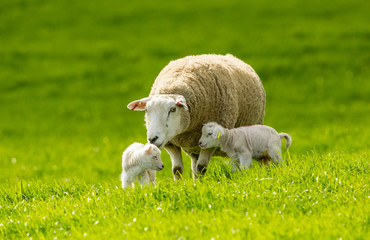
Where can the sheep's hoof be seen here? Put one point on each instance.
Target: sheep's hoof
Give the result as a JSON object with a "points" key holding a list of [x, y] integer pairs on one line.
{"points": [[177, 173], [202, 169]]}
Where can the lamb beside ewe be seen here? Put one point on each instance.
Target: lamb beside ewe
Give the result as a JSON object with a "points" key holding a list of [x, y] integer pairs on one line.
{"points": [[192, 91], [141, 162], [242, 144]]}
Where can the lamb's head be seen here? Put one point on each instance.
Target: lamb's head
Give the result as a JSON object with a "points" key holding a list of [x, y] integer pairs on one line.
{"points": [[152, 157], [167, 115], [211, 133]]}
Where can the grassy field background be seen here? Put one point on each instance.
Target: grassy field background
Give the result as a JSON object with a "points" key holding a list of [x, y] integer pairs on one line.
{"points": [[69, 68]]}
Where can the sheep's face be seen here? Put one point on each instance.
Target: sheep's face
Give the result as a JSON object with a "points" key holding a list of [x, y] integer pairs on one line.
{"points": [[152, 156], [211, 133], [164, 117]]}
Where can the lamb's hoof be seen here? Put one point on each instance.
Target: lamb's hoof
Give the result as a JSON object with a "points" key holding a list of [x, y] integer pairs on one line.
{"points": [[201, 169], [177, 173]]}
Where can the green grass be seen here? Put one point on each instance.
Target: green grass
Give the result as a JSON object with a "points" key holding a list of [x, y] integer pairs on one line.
{"points": [[316, 196], [68, 69]]}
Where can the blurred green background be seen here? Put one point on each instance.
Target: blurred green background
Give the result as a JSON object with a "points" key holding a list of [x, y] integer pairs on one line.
{"points": [[69, 68]]}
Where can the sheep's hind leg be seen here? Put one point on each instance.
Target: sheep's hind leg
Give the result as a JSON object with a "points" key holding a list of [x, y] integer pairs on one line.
{"points": [[203, 160], [276, 156], [235, 164], [176, 158]]}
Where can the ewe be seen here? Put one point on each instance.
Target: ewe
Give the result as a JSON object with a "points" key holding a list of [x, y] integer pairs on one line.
{"points": [[141, 162], [242, 144]]}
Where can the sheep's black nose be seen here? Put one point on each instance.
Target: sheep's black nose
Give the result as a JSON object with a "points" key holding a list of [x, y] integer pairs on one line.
{"points": [[200, 143], [153, 139]]}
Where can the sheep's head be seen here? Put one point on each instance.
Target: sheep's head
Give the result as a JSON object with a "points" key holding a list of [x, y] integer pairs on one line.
{"points": [[211, 133], [166, 116], [152, 157]]}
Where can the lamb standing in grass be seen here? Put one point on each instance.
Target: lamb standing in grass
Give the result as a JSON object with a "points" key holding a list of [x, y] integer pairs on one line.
{"points": [[192, 91], [242, 144], [141, 162]]}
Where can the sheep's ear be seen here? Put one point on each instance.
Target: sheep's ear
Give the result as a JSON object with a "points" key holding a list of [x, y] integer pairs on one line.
{"points": [[138, 105], [148, 148], [216, 134], [181, 101]]}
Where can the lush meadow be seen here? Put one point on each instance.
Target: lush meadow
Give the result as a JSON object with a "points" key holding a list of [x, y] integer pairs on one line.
{"points": [[69, 68]]}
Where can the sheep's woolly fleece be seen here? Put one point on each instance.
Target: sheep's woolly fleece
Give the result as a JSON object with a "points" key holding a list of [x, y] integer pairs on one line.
{"points": [[217, 88]]}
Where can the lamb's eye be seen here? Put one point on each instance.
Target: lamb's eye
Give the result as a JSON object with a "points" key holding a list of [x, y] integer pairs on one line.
{"points": [[209, 134], [173, 109], [155, 157]]}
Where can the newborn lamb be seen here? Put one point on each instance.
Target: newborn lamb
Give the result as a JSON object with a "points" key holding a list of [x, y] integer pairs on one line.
{"points": [[242, 144], [140, 161]]}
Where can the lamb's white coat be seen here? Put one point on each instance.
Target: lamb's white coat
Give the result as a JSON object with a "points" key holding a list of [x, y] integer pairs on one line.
{"points": [[241, 144], [140, 162]]}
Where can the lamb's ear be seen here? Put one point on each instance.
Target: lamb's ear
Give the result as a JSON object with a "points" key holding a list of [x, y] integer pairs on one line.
{"points": [[148, 148], [138, 105], [181, 101], [216, 134]]}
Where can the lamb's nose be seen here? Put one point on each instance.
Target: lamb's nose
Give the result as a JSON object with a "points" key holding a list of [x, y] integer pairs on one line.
{"points": [[200, 143], [153, 139]]}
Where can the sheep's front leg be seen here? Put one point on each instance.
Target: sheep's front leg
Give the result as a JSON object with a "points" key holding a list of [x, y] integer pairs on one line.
{"points": [[245, 160], [126, 182], [203, 160], [194, 159], [176, 158], [152, 177], [144, 178]]}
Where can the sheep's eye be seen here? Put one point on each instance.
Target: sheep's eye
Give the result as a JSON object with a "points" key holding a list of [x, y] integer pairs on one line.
{"points": [[209, 134], [173, 109], [155, 157]]}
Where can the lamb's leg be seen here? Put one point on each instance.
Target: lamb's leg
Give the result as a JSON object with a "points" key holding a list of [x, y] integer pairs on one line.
{"points": [[144, 178], [275, 156], [126, 184], [235, 164], [152, 177], [176, 158], [203, 160], [125, 181], [245, 160]]}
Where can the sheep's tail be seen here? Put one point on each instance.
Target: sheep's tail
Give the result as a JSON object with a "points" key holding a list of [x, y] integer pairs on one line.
{"points": [[287, 138]]}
